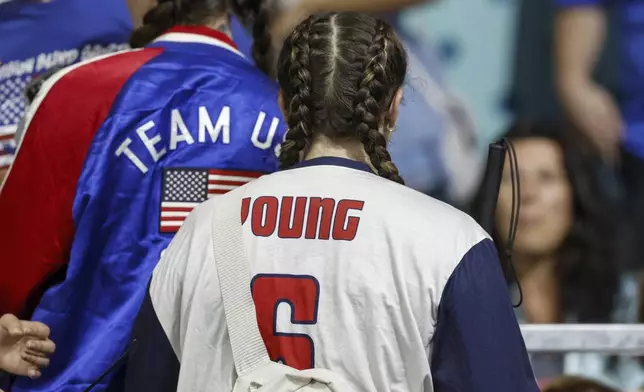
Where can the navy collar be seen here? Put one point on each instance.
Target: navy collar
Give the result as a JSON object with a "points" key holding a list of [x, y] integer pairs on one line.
{"points": [[334, 161]]}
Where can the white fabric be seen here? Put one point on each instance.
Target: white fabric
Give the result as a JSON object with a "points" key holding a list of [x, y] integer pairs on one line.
{"points": [[622, 339], [249, 352], [378, 294], [255, 370]]}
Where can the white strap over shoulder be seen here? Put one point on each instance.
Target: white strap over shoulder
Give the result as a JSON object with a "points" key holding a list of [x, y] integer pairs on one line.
{"points": [[255, 371], [233, 270]]}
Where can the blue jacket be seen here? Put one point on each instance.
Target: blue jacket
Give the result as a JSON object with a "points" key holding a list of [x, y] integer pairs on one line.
{"points": [[137, 140]]}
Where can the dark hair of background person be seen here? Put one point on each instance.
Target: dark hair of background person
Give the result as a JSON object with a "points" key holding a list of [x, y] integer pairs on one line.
{"points": [[588, 261], [576, 384], [339, 73], [168, 13], [34, 86]]}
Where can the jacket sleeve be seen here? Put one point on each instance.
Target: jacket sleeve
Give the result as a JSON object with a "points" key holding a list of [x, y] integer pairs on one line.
{"points": [[477, 344], [154, 361]]}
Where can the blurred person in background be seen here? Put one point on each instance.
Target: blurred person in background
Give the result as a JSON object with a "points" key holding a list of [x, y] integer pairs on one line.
{"points": [[39, 35], [615, 124], [533, 91], [147, 135], [565, 235], [436, 153], [565, 254], [576, 384]]}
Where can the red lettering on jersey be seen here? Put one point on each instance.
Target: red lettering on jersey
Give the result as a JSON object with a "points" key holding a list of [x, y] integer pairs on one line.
{"points": [[348, 233], [302, 294], [285, 230], [264, 219], [245, 208], [317, 207], [291, 223]]}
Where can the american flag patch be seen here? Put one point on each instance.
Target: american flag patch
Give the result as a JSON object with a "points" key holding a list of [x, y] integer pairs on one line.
{"points": [[12, 99], [184, 189], [7, 147]]}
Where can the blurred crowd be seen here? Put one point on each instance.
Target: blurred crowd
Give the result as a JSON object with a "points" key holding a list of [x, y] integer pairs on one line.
{"points": [[576, 109]]}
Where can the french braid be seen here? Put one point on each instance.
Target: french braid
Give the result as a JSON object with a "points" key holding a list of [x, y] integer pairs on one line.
{"points": [[300, 118], [368, 103]]}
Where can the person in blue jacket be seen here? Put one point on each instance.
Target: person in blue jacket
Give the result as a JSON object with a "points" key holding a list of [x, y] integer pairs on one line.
{"points": [[612, 120], [136, 140]]}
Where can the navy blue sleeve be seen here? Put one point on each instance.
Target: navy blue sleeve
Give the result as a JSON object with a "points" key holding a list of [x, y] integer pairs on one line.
{"points": [[5, 381], [152, 364], [477, 345]]}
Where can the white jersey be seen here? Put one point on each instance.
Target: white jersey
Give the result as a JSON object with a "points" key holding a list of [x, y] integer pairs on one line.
{"points": [[351, 272]]}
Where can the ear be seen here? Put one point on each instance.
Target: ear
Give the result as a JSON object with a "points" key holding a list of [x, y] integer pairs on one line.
{"points": [[393, 108], [280, 101]]}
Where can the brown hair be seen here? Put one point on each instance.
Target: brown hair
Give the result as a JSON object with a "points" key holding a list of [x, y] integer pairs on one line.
{"points": [[339, 73], [576, 384], [168, 13]]}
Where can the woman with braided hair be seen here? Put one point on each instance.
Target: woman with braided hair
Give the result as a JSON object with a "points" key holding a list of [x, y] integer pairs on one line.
{"points": [[349, 270], [437, 152], [115, 154]]}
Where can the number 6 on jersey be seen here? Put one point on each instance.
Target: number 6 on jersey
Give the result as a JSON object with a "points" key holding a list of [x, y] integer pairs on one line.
{"points": [[302, 294]]}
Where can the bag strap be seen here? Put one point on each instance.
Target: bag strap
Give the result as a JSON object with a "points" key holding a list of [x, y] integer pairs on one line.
{"points": [[249, 351]]}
